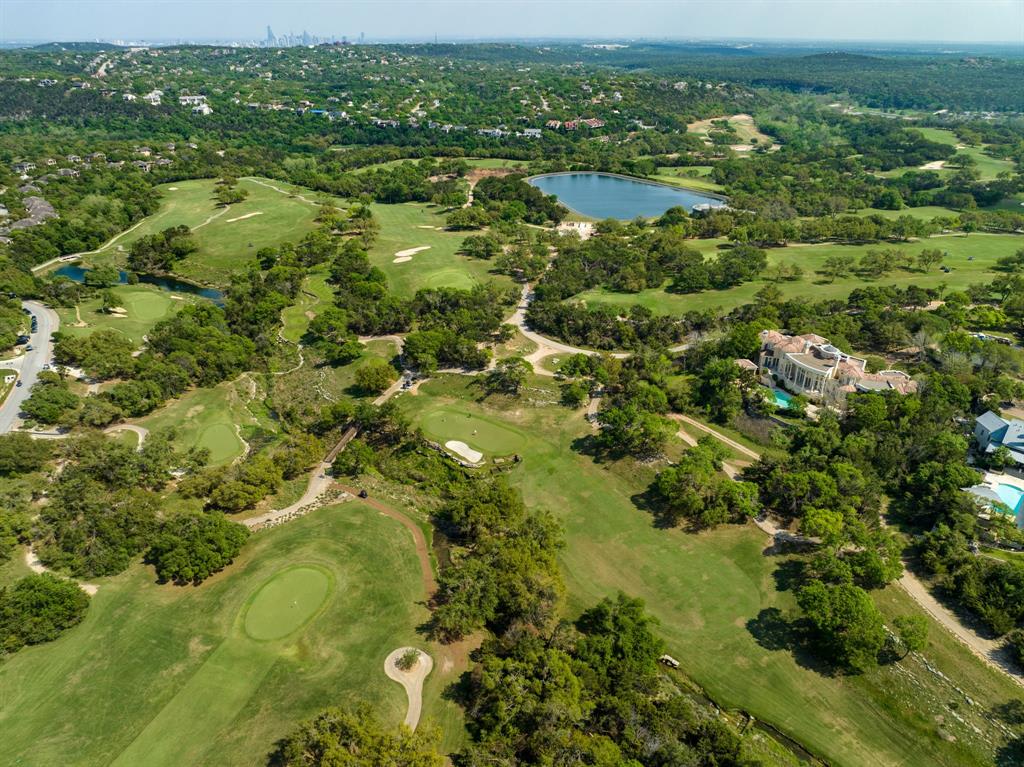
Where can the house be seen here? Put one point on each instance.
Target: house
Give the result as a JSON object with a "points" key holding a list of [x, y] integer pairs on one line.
{"points": [[74, 158], [97, 156], [189, 101], [128, 97], [993, 432], [531, 133], [68, 172], [153, 98], [24, 167], [50, 161], [142, 165], [810, 365], [553, 124], [593, 122], [145, 151], [202, 109], [571, 124]]}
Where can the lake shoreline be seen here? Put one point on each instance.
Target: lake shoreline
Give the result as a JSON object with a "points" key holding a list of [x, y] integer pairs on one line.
{"points": [[624, 177]]}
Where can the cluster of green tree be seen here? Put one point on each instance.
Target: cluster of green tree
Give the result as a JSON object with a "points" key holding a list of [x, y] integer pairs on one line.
{"points": [[195, 347], [37, 609], [12, 322], [588, 693], [105, 509], [156, 253], [356, 738], [92, 208], [696, 490], [429, 180], [241, 486], [512, 199], [503, 568], [602, 326]]}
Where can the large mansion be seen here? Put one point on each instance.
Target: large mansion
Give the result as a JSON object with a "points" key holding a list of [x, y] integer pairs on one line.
{"points": [[811, 366]]}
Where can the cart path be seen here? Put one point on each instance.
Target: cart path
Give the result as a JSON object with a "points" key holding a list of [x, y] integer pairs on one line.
{"points": [[411, 680]]}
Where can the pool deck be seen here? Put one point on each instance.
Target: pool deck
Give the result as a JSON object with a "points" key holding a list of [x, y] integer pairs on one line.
{"points": [[992, 480]]}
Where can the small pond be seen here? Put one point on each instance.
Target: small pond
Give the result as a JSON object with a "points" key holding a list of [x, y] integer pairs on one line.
{"points": [[605, 195], [77, 273]]}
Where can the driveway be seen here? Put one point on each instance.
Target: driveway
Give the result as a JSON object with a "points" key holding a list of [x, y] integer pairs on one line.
{"points": [[30, 363]]}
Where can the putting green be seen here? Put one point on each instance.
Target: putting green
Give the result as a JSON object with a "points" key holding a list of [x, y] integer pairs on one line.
{"points": [[286, 602], [487, 436], [222, 441]]}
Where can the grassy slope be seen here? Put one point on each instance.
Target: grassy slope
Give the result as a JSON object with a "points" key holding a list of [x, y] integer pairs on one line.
{"points": [[206, 418], [224, 245], [440, 266], [162, 675], [984, 248], [705, 588], [145, 307]]}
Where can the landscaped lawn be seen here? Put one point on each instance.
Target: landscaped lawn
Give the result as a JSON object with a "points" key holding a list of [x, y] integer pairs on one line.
{"points": [[145, 306], [315, 294], [208, 418], [984, 249], [681, 177], [709, 591], [415, 225], [228, 238], [168, 676]]}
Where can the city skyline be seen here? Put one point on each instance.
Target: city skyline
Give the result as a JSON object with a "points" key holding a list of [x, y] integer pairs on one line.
{"points": [[941, 21]]}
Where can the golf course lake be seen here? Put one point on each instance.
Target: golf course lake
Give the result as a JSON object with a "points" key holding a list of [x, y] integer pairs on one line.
{"points": [[605, 195], [77, 273]]}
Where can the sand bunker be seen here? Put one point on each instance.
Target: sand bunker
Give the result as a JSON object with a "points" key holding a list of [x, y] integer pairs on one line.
{"points": [[242, 218], [411, 251], [936, 165], [401, 259], [172, 189], [464, 451]]}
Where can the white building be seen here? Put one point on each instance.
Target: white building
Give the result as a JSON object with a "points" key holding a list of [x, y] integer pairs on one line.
{"points": [[202, 109], [187, 101], [811, 366]]}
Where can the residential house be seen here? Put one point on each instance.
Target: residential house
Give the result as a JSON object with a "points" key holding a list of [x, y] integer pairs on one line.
{"points": [[143, 151], [24, 167], [74, 158], [593, 122], [128, 97], [189, 101], [153, 98], [202, 109], [810, 365], [50, 161], [531, 133], [993, 431], [68, 172], [571, 124], [553, 124]]}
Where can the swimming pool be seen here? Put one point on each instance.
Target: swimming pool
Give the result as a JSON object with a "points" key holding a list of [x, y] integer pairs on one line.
{"points": [[782, 398], [1012, 496]]}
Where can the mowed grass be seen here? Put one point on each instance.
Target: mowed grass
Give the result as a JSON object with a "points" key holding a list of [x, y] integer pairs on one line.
{"points": [[226, 240], [971, 259], [168, 676], [415, 225], [705, 589], [145, 306], [697, 177], [315, 294], [207, 418]]}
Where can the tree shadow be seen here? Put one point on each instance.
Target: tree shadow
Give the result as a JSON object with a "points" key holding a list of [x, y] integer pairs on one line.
{"points": [[1011, 754], [1011, 712], [789, 575], [773, 631]]}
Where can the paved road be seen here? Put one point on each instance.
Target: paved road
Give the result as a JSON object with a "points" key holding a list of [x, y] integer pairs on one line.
{"points": [[30, 363]]}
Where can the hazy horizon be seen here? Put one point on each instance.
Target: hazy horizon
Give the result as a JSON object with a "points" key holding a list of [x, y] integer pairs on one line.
{"points": [[997, 22]]}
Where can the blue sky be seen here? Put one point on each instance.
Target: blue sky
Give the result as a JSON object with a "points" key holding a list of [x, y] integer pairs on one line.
{"points": [[911, 20]]}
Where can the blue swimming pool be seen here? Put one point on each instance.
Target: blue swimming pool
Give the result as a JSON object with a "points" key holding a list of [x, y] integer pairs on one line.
{"points": [[1012, 496], [782, 398]]}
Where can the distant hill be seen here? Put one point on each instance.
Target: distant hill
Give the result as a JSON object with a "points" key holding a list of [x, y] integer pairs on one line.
{"points": [[82, 47]]}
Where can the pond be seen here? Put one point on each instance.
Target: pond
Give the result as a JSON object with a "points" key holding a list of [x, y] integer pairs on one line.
{"points": [[604, 195], [77, 273]]}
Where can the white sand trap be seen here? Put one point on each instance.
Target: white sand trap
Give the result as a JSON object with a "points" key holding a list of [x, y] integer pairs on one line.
{"points": [[242, 218], [172, 189], [425, 226], [936, 165], [401, 259], [463, 450], [411, 251], [177, 298], [411, 680]]}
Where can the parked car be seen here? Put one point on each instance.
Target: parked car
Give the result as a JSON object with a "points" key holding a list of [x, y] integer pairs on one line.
{"points": [[20, 383]]}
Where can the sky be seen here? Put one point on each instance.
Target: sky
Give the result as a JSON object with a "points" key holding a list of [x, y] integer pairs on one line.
{"points": [[994, 21]]}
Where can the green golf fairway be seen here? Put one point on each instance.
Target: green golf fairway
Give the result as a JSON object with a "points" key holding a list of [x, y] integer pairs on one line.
{"points": [[286, 602]]}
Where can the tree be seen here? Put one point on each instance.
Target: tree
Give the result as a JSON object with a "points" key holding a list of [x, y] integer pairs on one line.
{"points": [[38, 608], [340, 738], [930, 257], [375, 376], [192, 546], [482, 246], [509, 375], [354, 460], [627, 430], [20, 454], [846, 620], [408, 660], [912, 632], [718, 390], [696, 489], [50, 400]]}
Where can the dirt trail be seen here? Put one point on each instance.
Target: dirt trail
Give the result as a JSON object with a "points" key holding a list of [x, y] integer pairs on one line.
{"points": [[717, 435], [33, 564], [141, 431]]}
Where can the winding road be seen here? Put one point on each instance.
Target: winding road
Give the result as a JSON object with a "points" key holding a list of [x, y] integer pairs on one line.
{"points": [[30, 363]]}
